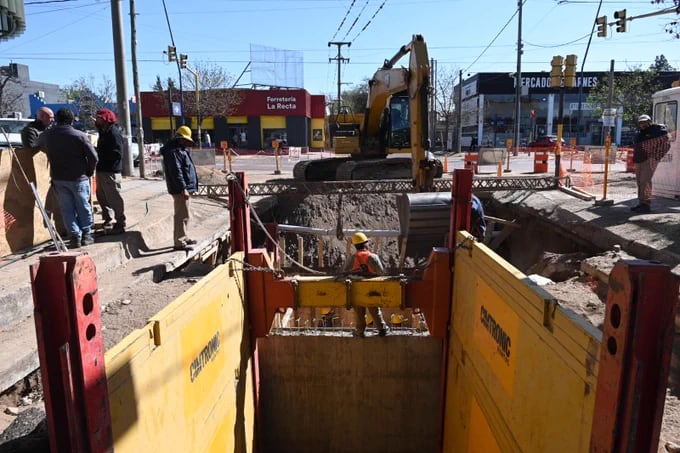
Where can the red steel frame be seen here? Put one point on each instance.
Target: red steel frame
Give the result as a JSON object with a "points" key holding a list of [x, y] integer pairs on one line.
{"points": [[71, 350], [634, 358]]}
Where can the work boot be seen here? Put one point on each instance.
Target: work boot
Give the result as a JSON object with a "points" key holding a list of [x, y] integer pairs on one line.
{"points": [[74, 242], [107, 225], [87, 239]]}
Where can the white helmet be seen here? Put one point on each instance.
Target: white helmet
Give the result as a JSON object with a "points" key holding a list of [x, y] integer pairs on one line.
{"points": [[644, 118]]}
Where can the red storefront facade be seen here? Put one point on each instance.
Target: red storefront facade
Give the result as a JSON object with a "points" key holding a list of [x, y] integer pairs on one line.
{"points": [[256, 117]]}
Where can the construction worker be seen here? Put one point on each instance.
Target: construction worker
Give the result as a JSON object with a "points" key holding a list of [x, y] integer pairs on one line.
{"points": [[651, 145], [182, 181], [109, 171], [365, 264]]}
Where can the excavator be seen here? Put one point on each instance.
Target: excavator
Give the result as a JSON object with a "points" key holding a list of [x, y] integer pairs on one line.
{"points": [[394, 121]]}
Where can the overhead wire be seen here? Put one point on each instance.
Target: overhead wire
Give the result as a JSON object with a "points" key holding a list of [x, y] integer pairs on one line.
{"points": [[370, 20], [356, 19], [342, 22], [494, 39]]}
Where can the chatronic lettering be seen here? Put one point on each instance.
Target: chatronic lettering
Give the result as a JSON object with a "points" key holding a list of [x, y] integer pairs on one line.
{"points": [[206, 355], [499, 335]]}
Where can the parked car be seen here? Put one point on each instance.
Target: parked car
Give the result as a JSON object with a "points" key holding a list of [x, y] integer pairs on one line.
{"points": [[10, 129], [545, 141]]}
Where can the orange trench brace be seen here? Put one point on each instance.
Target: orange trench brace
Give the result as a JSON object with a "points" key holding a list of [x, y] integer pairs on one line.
{"points": [[71, 351], [635, 357]]}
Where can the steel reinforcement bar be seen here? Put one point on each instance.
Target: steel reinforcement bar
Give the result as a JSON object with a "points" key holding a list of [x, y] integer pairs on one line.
{"points": [[294, 187]]}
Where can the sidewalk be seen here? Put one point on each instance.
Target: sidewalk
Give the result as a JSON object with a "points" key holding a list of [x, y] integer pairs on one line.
{"points": [[147, 242]]}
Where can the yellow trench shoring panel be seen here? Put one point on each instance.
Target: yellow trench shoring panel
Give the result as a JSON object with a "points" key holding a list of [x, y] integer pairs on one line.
{"points": [[522, 371], [331, 292], [176, 384]]}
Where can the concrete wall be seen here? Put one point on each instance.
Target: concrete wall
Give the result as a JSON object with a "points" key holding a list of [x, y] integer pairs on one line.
{"points": [[349, 394]]}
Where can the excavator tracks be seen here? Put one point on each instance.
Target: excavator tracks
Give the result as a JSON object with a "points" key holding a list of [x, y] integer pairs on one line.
{"points": [[398, 168]]}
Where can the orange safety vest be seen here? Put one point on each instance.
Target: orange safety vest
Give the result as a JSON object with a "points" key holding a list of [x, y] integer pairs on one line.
{"points": [[361, 265]]}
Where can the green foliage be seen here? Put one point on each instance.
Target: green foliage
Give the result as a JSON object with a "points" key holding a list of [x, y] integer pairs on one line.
{"points": [[632, 91], [356, 97], [661, 64]]}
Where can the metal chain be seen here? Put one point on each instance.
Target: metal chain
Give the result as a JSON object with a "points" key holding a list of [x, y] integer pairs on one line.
{"points": [[462, 243]]}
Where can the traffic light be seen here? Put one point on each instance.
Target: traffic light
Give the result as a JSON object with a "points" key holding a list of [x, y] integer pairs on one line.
{"points": [[601, 26], [172, 53], [570, 71], [621, 21], [183, 60], [556, 71]]}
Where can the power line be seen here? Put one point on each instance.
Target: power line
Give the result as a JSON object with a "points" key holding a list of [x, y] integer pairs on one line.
{"points": [[343, 19], [356, 19], [369, 20]]}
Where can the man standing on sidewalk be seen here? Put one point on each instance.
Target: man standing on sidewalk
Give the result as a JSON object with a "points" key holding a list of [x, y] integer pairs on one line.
{"points": [[72, 161], [182, 181], [30, 133], [651, 145], [109, 169]]}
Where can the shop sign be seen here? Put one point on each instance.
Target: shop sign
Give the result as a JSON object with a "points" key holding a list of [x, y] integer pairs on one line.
{"points": [[281, 103]]}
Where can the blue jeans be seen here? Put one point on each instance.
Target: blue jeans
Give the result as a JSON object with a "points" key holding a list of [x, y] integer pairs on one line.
{"points": [[74, 201]]}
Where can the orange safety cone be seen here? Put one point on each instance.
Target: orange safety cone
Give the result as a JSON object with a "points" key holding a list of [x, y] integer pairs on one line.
{"points": [[446, 164], [562, 174], [499, 170]]}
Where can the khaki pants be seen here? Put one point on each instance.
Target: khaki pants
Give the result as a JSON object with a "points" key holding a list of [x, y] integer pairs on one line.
{"points": [[109, 198], [644, 171], [182, 216], [376, 314]]}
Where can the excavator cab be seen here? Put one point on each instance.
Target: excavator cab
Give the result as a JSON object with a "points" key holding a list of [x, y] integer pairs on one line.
{"points": [[399, 132]]}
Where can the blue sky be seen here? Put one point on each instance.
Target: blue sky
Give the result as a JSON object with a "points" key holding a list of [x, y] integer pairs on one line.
{"points": [[66, 40]]}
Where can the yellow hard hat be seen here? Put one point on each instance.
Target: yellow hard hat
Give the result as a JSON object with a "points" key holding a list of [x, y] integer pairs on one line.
{"points": [[185, 133], [359, 238]]}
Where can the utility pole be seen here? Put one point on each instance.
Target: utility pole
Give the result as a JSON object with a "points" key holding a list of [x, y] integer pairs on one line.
{"points": [[121, 84], [135, 79], [518, 74], [459, 113], [433, 102], [340, 59]]}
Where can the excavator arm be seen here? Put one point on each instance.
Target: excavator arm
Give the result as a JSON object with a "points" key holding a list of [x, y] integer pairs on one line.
{"points": [[414, 82]]}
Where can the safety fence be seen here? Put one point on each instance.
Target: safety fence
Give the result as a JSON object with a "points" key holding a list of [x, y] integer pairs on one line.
{"points": [[583, 167]]}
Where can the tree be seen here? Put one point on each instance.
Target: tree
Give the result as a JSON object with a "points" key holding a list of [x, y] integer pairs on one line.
{"points": [[217, 96], [10, 92], [87, 95], [445, 98], [356, 97], [672, 27], [661, 64], [632, 91]]}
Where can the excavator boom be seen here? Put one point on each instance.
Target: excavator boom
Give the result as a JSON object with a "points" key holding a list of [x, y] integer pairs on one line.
{"points": [[395, 121]]}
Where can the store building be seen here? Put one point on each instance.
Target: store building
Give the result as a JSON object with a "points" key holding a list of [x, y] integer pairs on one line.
{"points": [[294, 117], [488, 109]]}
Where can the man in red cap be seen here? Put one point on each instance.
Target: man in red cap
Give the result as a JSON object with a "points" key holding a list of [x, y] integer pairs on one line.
{"points": [[109, 169]]}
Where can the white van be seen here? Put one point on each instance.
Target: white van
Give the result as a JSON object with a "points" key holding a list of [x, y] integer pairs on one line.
{"points": [[10, 131], [666, 181]]}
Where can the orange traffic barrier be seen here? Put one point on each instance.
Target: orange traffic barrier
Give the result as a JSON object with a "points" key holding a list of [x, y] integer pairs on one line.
{"points": [[499, 170], [630, 165], [541, 162], [472, 162], [446, 164]]}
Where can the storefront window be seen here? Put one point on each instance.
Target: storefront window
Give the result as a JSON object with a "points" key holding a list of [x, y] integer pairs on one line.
{"points": [[274, 134]]}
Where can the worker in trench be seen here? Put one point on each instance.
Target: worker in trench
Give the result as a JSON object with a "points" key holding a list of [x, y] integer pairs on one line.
{"points": [[366, 264]]}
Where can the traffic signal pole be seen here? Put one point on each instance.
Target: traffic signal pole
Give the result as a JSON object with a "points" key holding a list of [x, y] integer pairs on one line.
{"points": [[560, 120]]}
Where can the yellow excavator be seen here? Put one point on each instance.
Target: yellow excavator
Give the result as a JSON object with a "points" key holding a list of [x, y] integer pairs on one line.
{"points": [[395, 121]]}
